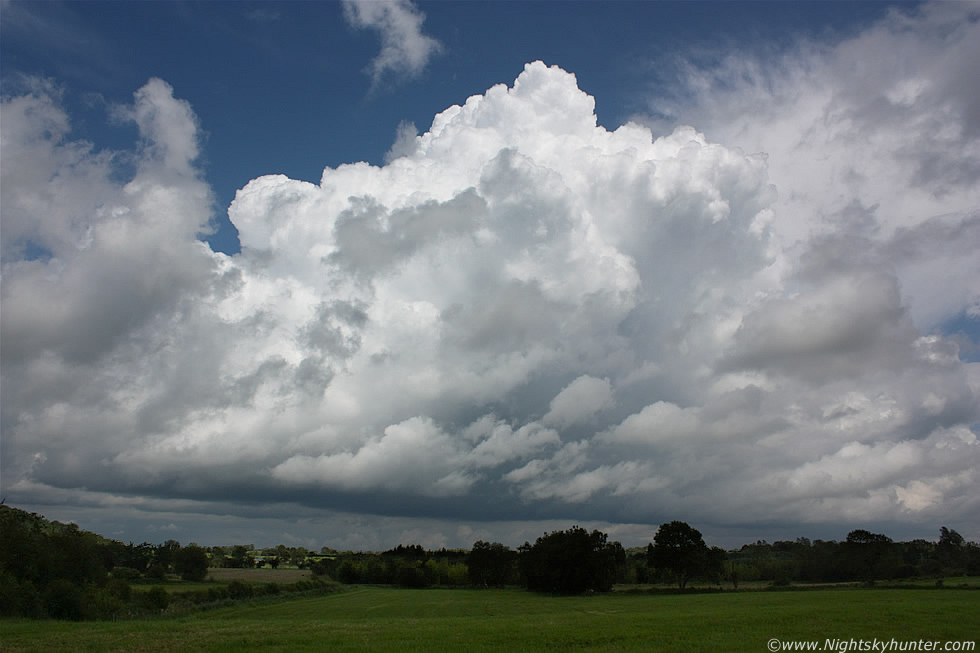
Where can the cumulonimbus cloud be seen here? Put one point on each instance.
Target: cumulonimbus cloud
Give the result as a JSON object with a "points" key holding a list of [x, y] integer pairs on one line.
{"points": [[521, 313]]}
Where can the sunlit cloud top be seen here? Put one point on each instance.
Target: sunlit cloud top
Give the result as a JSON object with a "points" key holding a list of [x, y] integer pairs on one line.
{"points": [[734, 308]]}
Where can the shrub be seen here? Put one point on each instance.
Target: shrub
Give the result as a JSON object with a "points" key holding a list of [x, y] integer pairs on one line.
{"points": [[217, 593], [156, 571], [101, 603], [19, 599], [63, 600], [410, 577], [155, 600], [239, 590], [119, 588], [126, 573], [458, 575], [271, 588], [347, 573], [322, 567]]}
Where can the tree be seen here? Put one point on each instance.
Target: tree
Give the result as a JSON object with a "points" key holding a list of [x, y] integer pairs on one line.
{"points": [[165, 553], [323, 567], [414, 574], [240, 559], [191, 562], [297, 557], [951, 550], [972, 559], [572, 562], [714, 564], [491, 565], [679, 549], [155, 600], [410, 552], [864, 554]]}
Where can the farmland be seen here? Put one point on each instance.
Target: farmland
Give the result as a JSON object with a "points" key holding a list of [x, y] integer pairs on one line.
{"points": [[382, 618], [218, 577]]}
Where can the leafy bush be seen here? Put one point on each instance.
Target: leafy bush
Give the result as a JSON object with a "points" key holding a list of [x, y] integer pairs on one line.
{"points": [[19, 598], [119, 589], [156, 571], [271, 588], [63, 600], [413, 576], [155, 600], [239, 590], [126, 573], [191, 562], [322, 567]]}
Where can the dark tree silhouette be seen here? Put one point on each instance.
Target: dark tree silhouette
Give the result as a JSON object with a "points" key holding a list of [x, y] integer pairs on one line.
{"points": [[951, 550], [679, 549], [572, 562], [191, 562], [865, 553], [491, 565]]}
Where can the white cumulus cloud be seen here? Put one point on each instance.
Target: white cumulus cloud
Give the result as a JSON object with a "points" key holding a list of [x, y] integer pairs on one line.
{"points": [[520, 314], [404, 48], [580, 400]]}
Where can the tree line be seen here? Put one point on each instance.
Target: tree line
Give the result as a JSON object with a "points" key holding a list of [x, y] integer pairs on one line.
{"points": [[861, 556], [575, 561], [48, 569]]}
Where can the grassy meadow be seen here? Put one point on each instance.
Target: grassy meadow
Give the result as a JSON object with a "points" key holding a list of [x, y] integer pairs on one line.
{"points": [[279, 576], [218, 577], [390, 619]]}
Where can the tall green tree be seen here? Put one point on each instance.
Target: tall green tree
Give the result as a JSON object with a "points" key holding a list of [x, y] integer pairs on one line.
{"points": [[572, 562], [680, 550], [166, 552], [491, 564], [240, 559], [866, 554], [951, 550], [191, 562]]}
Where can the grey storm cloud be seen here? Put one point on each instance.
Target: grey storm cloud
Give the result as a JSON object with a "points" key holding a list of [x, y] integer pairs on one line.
{"points": [[521, 316]]}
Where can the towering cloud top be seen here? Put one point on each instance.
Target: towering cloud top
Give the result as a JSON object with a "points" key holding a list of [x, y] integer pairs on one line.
{"points": [[522, 312]]}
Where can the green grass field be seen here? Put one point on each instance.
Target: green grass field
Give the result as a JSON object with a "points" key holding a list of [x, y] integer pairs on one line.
{"points": [[219, 577], [384, 619], [284, 575]]}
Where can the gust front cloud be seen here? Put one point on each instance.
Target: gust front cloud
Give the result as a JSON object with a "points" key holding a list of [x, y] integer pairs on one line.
{"points": [[521, 315]]}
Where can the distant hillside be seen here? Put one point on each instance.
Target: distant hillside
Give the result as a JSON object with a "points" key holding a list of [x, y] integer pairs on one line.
{"points": [[11, 517], [50, 569]]}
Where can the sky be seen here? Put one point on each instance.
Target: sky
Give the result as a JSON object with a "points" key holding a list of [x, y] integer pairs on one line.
{"points": [[361, 274]]}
